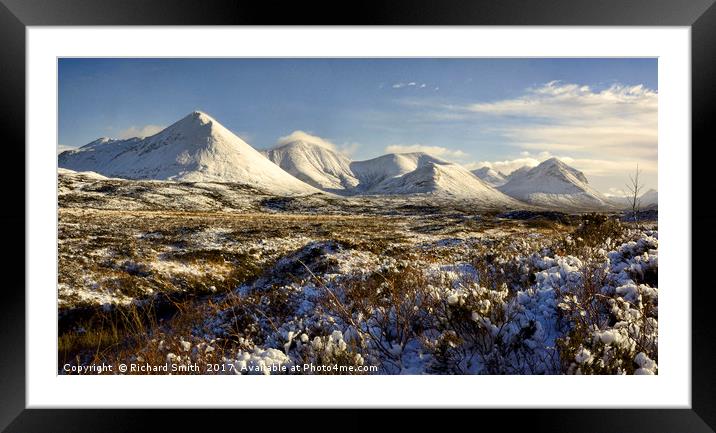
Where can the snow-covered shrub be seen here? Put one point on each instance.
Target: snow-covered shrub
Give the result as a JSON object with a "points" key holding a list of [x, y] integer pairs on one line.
{"points": [[612, 316], [387, 311], [595, 231], [329, 350]]}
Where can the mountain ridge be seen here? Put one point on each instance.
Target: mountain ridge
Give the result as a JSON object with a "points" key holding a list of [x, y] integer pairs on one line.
{"points": [[196, 148]]}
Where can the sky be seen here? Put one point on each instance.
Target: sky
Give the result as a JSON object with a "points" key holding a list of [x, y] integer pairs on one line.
{"points": [[597, 115]]}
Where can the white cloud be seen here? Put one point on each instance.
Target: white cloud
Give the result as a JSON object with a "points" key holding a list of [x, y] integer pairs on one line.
{"points": [[346, 149], [141, 132], [63, 147], [617, 122], [616, 192], [299, 135], [400, 85], [439, 151]]}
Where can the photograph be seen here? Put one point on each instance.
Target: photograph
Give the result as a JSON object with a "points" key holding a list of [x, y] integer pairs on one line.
{"points": [[357, 216]]}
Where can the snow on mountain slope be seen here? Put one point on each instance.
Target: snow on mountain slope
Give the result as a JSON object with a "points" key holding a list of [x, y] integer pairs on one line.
{"points": [[517, 173], [372, 172], [392, 174], [420, 173], [444, 180], [197, 148], [554, 184], [87, 174], [490, 176], [649, 198], [314, 163]]}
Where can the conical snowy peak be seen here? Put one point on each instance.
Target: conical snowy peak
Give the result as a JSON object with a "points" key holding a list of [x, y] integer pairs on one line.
{"points": [[556, 168], [315, 163], [196, 130], [197, 148], [553, 184]]}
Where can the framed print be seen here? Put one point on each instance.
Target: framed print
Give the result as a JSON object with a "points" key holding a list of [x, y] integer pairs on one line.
{"points": [[456, 207]]}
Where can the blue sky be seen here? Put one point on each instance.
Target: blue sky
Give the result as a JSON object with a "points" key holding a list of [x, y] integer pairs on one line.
{"points": [[498, 112]]}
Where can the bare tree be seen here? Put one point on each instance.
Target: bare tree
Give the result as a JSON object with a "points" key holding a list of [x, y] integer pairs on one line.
{"points": [[634, 188]]}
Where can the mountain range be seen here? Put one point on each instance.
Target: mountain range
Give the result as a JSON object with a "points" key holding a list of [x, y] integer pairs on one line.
{"points": [[197, 148]]}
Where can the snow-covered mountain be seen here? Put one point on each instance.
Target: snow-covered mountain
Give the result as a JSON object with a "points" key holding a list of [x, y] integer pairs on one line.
{"points": [[197, 148], [314, 163], [554, 184], [420, 173], [372, 172], [444, 180], [86, 174], [649, 198], [392, 174], [490, 176], [516, 173]]}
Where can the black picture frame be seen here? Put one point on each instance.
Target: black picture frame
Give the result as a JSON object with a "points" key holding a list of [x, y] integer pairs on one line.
{"points": [[16, 15]]}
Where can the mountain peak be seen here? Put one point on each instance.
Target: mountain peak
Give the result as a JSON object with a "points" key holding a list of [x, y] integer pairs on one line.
{"points": [[196, 148], [554, 162], [314, 161], [484, 170], [556, 167], [490, 176], [553, 183], [196, 129], [199, 117]]}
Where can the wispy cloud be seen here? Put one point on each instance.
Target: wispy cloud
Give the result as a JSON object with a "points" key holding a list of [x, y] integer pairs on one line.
{"points": [[348, 149], [304, 136], [620, 121], [616, 192], [444, 152], [298, 135], [141, 131], [415, 84]]}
